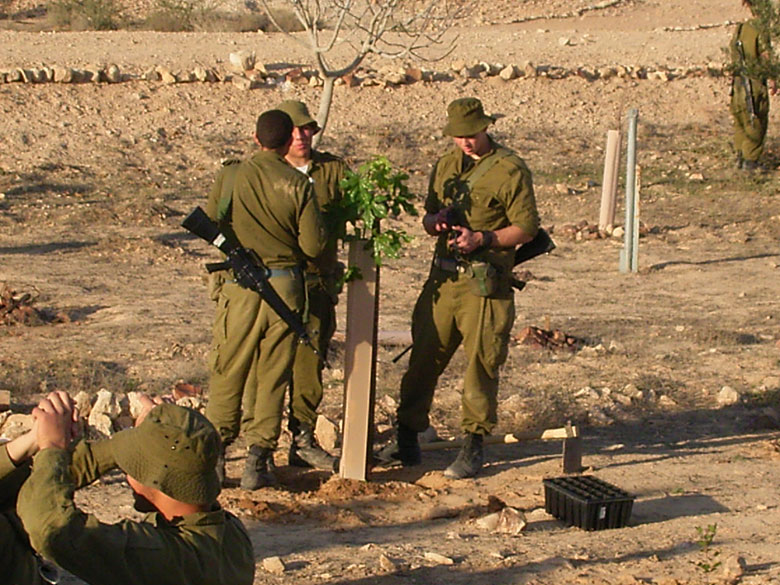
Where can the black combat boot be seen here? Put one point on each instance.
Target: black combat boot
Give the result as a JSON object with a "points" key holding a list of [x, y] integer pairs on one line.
{"points": [[405, 450], [305, 451], [259, 470], [469, 460]]}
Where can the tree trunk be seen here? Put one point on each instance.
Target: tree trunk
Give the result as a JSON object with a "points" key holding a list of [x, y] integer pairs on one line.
{"points": [[322, 115]]}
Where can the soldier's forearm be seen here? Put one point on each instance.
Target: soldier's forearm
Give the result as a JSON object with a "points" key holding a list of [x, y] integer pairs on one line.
{"points": [[510, 237]]}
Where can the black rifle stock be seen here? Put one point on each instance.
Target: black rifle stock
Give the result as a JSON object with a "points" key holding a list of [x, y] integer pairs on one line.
{"points": [[751, 108], [541, 244], [248, 269]]}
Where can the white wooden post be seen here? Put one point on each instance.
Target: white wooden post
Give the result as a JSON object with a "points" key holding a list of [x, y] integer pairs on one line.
{"points": [[360, 364], [610, 181]]}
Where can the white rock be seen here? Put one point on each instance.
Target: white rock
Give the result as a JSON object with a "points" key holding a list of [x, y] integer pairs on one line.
{"points": [[588, 393], [113, 75], [511, 521], [108, 403], [83, 402], [327, 433], [387, 564], [438, 559], [16, 425], [537, 515], [135, 404], [242, 82], [489, 522], [274, 565], [509, 73], [728, 396], [242, 61]]}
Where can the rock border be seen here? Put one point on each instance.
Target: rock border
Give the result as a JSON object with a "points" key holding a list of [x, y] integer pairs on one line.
{"points": [[260, 76]]}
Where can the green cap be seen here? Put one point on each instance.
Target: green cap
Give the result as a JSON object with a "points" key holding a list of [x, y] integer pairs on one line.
{"points": [[465, 117], [174, 450], [298, 112]]}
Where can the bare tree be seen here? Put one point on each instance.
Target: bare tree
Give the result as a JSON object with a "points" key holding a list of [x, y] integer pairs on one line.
{"points": [[391, 29]]}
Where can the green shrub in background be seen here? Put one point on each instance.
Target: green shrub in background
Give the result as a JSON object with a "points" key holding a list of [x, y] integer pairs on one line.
{"points": [[84, 14]]}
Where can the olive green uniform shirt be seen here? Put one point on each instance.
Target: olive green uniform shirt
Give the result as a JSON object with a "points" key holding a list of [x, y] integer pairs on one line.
{"points": [[326, 171], [275, 212], [502, 196], [209, 548]]}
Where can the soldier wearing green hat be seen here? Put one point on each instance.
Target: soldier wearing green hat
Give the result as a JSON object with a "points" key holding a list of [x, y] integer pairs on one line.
{"points": [[480, 207], [325, 171], [169, 458], [272, 210]]}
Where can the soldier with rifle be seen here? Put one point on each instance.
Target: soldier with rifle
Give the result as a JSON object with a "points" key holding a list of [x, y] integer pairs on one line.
{"points": [[750, 48], [273, 213], [480, 207], [325, 171]]}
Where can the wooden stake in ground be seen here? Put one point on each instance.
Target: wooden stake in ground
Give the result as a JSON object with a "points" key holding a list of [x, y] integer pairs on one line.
{"points": [[610, 181], [360, 364]]}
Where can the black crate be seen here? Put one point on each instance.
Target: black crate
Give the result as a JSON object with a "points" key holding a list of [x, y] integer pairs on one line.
{"points": [[587, 502]]}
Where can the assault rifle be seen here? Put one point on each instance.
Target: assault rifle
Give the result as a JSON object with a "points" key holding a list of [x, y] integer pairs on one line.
{"points": [[248, 269], [751, 108], [541, 244]]}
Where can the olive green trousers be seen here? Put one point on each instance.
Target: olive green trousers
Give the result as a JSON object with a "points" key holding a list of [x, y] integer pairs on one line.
{"points": [[252, 348], [447, 314], [305, 390]]}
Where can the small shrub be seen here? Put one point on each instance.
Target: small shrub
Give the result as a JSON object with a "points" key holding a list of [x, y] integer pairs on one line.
{"points": [[243, 22], [286, 19], [84, 14], [708, 563]]}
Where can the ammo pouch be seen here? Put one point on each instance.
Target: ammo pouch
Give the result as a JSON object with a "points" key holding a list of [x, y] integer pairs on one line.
{"points": [[483, 278], [215, 282]]}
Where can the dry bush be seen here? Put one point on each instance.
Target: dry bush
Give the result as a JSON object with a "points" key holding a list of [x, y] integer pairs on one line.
{"points": [[242, 22], [72, 373], [286, 19], [84, 14], [203, 15]]}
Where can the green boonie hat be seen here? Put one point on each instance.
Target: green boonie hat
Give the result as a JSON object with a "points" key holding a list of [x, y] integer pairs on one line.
{"points": [[174, 450], [465, 117], [298, 112]]}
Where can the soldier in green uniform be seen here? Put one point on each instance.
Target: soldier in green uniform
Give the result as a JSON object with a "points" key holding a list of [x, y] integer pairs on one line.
{"points": [[325, 171], [169, 458], [272, 211], [749, 95], [480, 207]]}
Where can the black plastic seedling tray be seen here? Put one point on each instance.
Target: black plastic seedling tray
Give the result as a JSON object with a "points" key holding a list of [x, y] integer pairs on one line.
{"points": [[587, 502]]}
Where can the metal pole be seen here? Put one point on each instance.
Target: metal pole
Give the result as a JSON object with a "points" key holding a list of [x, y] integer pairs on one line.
{"points": [[627, 255]]}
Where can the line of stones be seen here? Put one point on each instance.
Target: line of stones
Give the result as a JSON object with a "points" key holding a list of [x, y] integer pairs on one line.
{"points": [[259, 76]]}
